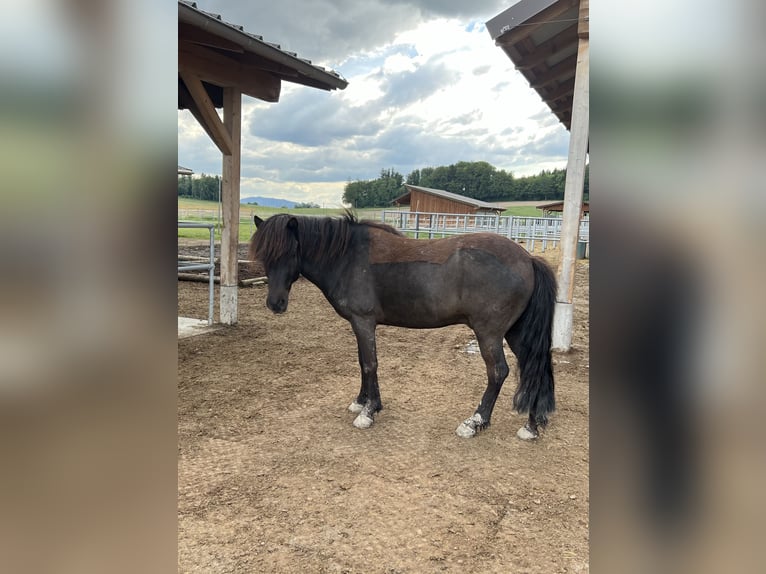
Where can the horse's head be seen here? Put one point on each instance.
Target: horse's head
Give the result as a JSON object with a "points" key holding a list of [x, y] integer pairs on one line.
{"points": [[275, 244]]}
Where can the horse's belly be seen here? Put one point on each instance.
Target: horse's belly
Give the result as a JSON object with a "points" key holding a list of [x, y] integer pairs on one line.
{"points": [[475, 286], [420, 300]]}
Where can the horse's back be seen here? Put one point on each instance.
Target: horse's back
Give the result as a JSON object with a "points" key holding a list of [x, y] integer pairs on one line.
{"points": [[389, 248], [460, 279]]}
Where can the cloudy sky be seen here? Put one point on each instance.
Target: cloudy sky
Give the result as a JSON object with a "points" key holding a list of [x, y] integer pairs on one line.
{"points": [[427, 87]]}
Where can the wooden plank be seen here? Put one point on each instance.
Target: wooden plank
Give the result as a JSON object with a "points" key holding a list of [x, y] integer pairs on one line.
{"points": [[564, 90], [561, 106], [232, 119], [531, 25], [189, 33], [540, 53], [187, 102], [207, 114], [558, 72], [228, 71], [583, 24]]}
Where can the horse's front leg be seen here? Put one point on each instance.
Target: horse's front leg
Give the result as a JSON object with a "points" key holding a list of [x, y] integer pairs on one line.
{"points": [[358, 404], [364, 329]]}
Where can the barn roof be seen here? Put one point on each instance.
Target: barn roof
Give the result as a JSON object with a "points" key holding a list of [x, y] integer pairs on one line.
{"points": [[184, 170], [236, 57], [405, 198], [540, 37], [559, 206]]}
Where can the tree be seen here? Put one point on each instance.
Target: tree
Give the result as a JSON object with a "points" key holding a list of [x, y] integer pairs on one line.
{"points": [[479, 180], [203, 187], [378, 192]]}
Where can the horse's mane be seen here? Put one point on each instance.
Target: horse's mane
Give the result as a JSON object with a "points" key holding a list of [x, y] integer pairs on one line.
{"points": [[322, 239]]}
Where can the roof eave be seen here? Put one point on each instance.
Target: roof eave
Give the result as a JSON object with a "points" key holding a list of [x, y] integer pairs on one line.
{"points": [[320, 78]]}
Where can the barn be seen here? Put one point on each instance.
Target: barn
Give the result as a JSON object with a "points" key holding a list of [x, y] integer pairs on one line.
{"points": [[557, 207], [439, 201]]}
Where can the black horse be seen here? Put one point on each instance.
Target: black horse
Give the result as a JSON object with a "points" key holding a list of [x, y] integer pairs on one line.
{"points": [[373, 275]]}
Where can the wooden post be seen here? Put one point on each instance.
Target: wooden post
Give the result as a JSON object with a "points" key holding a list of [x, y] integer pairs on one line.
{"points": [[573, 190], [232, 111]]}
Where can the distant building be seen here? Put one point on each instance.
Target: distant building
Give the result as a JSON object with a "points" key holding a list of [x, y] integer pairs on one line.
{"points": [[429, 200], [558, 207]]}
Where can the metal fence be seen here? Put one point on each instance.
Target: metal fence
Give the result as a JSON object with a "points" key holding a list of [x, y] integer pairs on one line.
{"points": [[209, 267], [545, 231], [245, 217]]}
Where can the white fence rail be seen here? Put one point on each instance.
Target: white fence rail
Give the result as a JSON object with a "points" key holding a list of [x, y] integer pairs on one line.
{"points": [[545, 231]]}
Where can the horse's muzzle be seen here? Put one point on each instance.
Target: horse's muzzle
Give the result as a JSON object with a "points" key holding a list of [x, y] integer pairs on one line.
{"points": [[277, 305]]}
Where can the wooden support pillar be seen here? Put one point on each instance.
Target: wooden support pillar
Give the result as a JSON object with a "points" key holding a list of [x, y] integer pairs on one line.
{"points": [[232, 120], [573, 191]]}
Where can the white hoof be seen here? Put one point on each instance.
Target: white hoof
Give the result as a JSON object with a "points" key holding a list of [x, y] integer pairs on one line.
{"points": [[468, 427], [525, 434], [464, 431], [355, 407], [363, 421]]}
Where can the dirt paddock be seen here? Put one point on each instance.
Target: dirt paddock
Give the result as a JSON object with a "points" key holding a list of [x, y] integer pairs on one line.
{"points": [[273, 477]]}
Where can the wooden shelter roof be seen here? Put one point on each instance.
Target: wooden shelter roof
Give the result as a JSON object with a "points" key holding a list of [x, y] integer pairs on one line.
{"points": [[540, 37], [230, 56]]}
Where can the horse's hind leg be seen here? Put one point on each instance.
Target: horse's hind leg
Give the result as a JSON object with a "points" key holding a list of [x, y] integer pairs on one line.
{"points": [[497, 371], [529, 395]]}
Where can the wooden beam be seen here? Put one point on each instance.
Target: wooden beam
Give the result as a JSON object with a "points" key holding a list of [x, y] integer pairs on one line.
{"points": [[573, 192], [188, 33], [558, 72], [565, 89], [187, 102], [561, 107], [540, 53], [228, 71], [531, 25], [232, 119], [583, 23], [208, 117]]}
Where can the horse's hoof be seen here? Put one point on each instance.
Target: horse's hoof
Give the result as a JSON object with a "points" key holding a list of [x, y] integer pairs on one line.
{"points": [[464, 431], [524, 433], [355, 407], [469, 427], [363, 421]]}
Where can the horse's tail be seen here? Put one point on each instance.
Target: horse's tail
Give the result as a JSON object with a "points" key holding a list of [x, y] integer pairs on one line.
{"points": [[530, 340]]}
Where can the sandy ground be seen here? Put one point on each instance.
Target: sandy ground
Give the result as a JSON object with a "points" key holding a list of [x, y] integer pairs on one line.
{"points": [[273, 477]]}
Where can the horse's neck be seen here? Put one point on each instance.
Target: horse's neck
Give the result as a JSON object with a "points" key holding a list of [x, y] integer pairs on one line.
{"points": [[320, 274], [325, 273]]}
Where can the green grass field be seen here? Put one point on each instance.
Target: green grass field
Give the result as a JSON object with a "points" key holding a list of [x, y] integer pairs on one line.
{"points": [[523, 211], [208, 212]]}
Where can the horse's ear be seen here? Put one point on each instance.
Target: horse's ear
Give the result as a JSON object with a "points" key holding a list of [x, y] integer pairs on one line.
{"points": [[257, 220]]}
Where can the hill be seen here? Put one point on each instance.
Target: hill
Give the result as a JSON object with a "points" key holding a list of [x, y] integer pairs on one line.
{"points": [[268, 201]]}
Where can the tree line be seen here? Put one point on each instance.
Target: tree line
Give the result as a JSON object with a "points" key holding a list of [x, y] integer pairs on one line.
{"points": [[478, 180], [203, 187]]}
